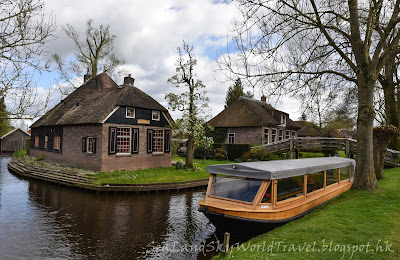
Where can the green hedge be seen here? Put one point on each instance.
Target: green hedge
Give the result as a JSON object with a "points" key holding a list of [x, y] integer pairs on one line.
{"points": [[236, 151]]}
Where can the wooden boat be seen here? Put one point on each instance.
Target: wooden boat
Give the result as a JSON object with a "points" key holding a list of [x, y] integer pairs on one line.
{"points": [[271, 192]]}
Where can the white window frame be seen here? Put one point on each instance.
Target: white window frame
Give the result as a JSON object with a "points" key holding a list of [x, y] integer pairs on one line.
{"points": [[231, 135], [122, 136], [280, 135], [274, 135], [57, 148], [134, 112], [87, 144], [293, 133], [46, 142], [155, 112], [162, 138], [283, 122], [287, 136], [266, 136]]}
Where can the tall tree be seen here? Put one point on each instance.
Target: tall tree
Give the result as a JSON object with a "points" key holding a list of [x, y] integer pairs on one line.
{"points": [[296, 42], [5, 125], [192, 102], [25, 28], [235, 92], [94, 52]]}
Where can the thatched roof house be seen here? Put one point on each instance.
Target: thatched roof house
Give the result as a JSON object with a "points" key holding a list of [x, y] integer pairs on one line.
{"points": [[251, 121], [103, 126]]}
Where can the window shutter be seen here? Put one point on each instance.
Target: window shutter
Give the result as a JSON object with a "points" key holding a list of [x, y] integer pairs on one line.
{"points": [[135, 140], [167, 141], [149, 140], [112, 140], [94, 145], [84, 140]]}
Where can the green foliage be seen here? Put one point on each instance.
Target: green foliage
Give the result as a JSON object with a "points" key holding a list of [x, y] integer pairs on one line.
{"points": [[174, 148], [200, 150], [235, 92], [236, 151], [19, 153], [218, 134], [260, 154], [5, 125], [220, 154], [40, 158]]}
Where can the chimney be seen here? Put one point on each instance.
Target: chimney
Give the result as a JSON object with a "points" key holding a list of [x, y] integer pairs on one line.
{"points": [[264, 99], [87, 76], [128, 81]]}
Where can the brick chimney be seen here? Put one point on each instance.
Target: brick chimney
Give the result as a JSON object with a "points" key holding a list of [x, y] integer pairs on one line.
{"points": [[264, 99], [128, 81], [87, 76]]}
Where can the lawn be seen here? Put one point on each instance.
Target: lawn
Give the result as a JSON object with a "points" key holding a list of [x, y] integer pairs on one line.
{"points": [[158, 175], [356, 225]]}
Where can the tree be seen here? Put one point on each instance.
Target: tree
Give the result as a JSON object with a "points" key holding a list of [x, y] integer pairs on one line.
{"points": [[298, 42], [235, 92], [93, 53], [382, 137], [25, 28], [5, 125], [192, 102]]}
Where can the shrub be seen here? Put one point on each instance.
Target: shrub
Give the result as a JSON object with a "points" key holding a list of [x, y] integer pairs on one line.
{"points": [[329, 152], [40, 158], [220, 154], [199, 152], [19, 153], [235, 151]]}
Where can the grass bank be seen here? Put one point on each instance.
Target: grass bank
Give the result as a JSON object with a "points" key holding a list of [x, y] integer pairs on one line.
{"points": [[158, 175], [356, 225]]}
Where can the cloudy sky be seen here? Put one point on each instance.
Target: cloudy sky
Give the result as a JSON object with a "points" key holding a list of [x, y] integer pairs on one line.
{"points": [[148, 33]]}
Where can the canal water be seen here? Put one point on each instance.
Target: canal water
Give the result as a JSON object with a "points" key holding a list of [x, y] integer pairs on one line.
{"points": [[39, 220]]}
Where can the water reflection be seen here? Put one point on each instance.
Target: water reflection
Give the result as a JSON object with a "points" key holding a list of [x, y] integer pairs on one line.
{"points": [[40, 220]]}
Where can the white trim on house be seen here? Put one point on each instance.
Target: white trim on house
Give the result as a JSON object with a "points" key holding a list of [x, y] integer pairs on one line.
{"points": [[266, 140], [109, 115], [169, 122], [287, 136], [231, 135], [276, 135], [12, 131], [155, 112], [87, 144], [283, 116], [126, 112]]}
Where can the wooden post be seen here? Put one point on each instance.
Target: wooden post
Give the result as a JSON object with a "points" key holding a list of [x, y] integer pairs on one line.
{"points": [[226, 243], [274, 190], [347, 148], [291, 146], [338, 175], [325, 178], [305, 185]]}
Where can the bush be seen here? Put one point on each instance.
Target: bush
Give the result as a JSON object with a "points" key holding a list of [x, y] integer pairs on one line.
{"points": [[236, 151], [199, 152], [329, 152], [220, 154], [19, 153], [260, 154]]}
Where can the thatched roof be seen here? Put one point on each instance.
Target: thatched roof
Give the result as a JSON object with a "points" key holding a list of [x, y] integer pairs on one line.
{"points": [[246, 112], [94, 101]]}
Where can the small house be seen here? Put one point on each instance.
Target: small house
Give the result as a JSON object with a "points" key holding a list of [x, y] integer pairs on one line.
{"points": [[13, 140], [104, 127], [250, 121]]}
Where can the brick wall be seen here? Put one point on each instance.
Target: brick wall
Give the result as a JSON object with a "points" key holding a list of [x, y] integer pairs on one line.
{"points": [[72, 154], [245, 135], [141, 160]]}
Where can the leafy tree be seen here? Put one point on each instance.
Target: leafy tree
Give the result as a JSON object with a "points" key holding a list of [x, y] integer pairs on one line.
{"points": [[292, 43], [93, 52], [5, 125], [236, 91], [25, 28], [192, 102]]}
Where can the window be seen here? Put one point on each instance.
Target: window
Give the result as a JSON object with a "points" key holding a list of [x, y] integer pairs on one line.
{"points": [[287, 134], [130, 112], [290, 188], [155, 115], [266, 136], [36, 141], [90, 145], [123, 140], [315, 182], [293, 133], [273, 135], [57, 142], [231, 138], [331, 177], [158, 141], [280, 135], [283, 120], [46, 141]]}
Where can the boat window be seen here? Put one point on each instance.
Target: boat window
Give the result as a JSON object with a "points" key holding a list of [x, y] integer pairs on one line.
{"points": [[235, 188], [331, 177], [267, 195], [315, 181], [344, 173], [290, 188]]}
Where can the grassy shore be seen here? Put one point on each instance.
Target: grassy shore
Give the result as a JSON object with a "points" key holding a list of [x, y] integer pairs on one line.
{"points": [[158, 175], [356, 225]]}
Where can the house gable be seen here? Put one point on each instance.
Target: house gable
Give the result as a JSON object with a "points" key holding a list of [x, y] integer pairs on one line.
{"points": [[142, 117]]}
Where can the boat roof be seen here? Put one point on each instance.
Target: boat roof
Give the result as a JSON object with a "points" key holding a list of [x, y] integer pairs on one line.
{"points": [[280, 169]]}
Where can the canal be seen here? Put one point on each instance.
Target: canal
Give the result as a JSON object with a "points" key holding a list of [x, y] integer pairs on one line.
{"points": [[40, 220]]}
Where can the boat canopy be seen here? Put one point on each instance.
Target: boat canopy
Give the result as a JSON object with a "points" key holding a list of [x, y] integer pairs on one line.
{"points": [[280, 169]]}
